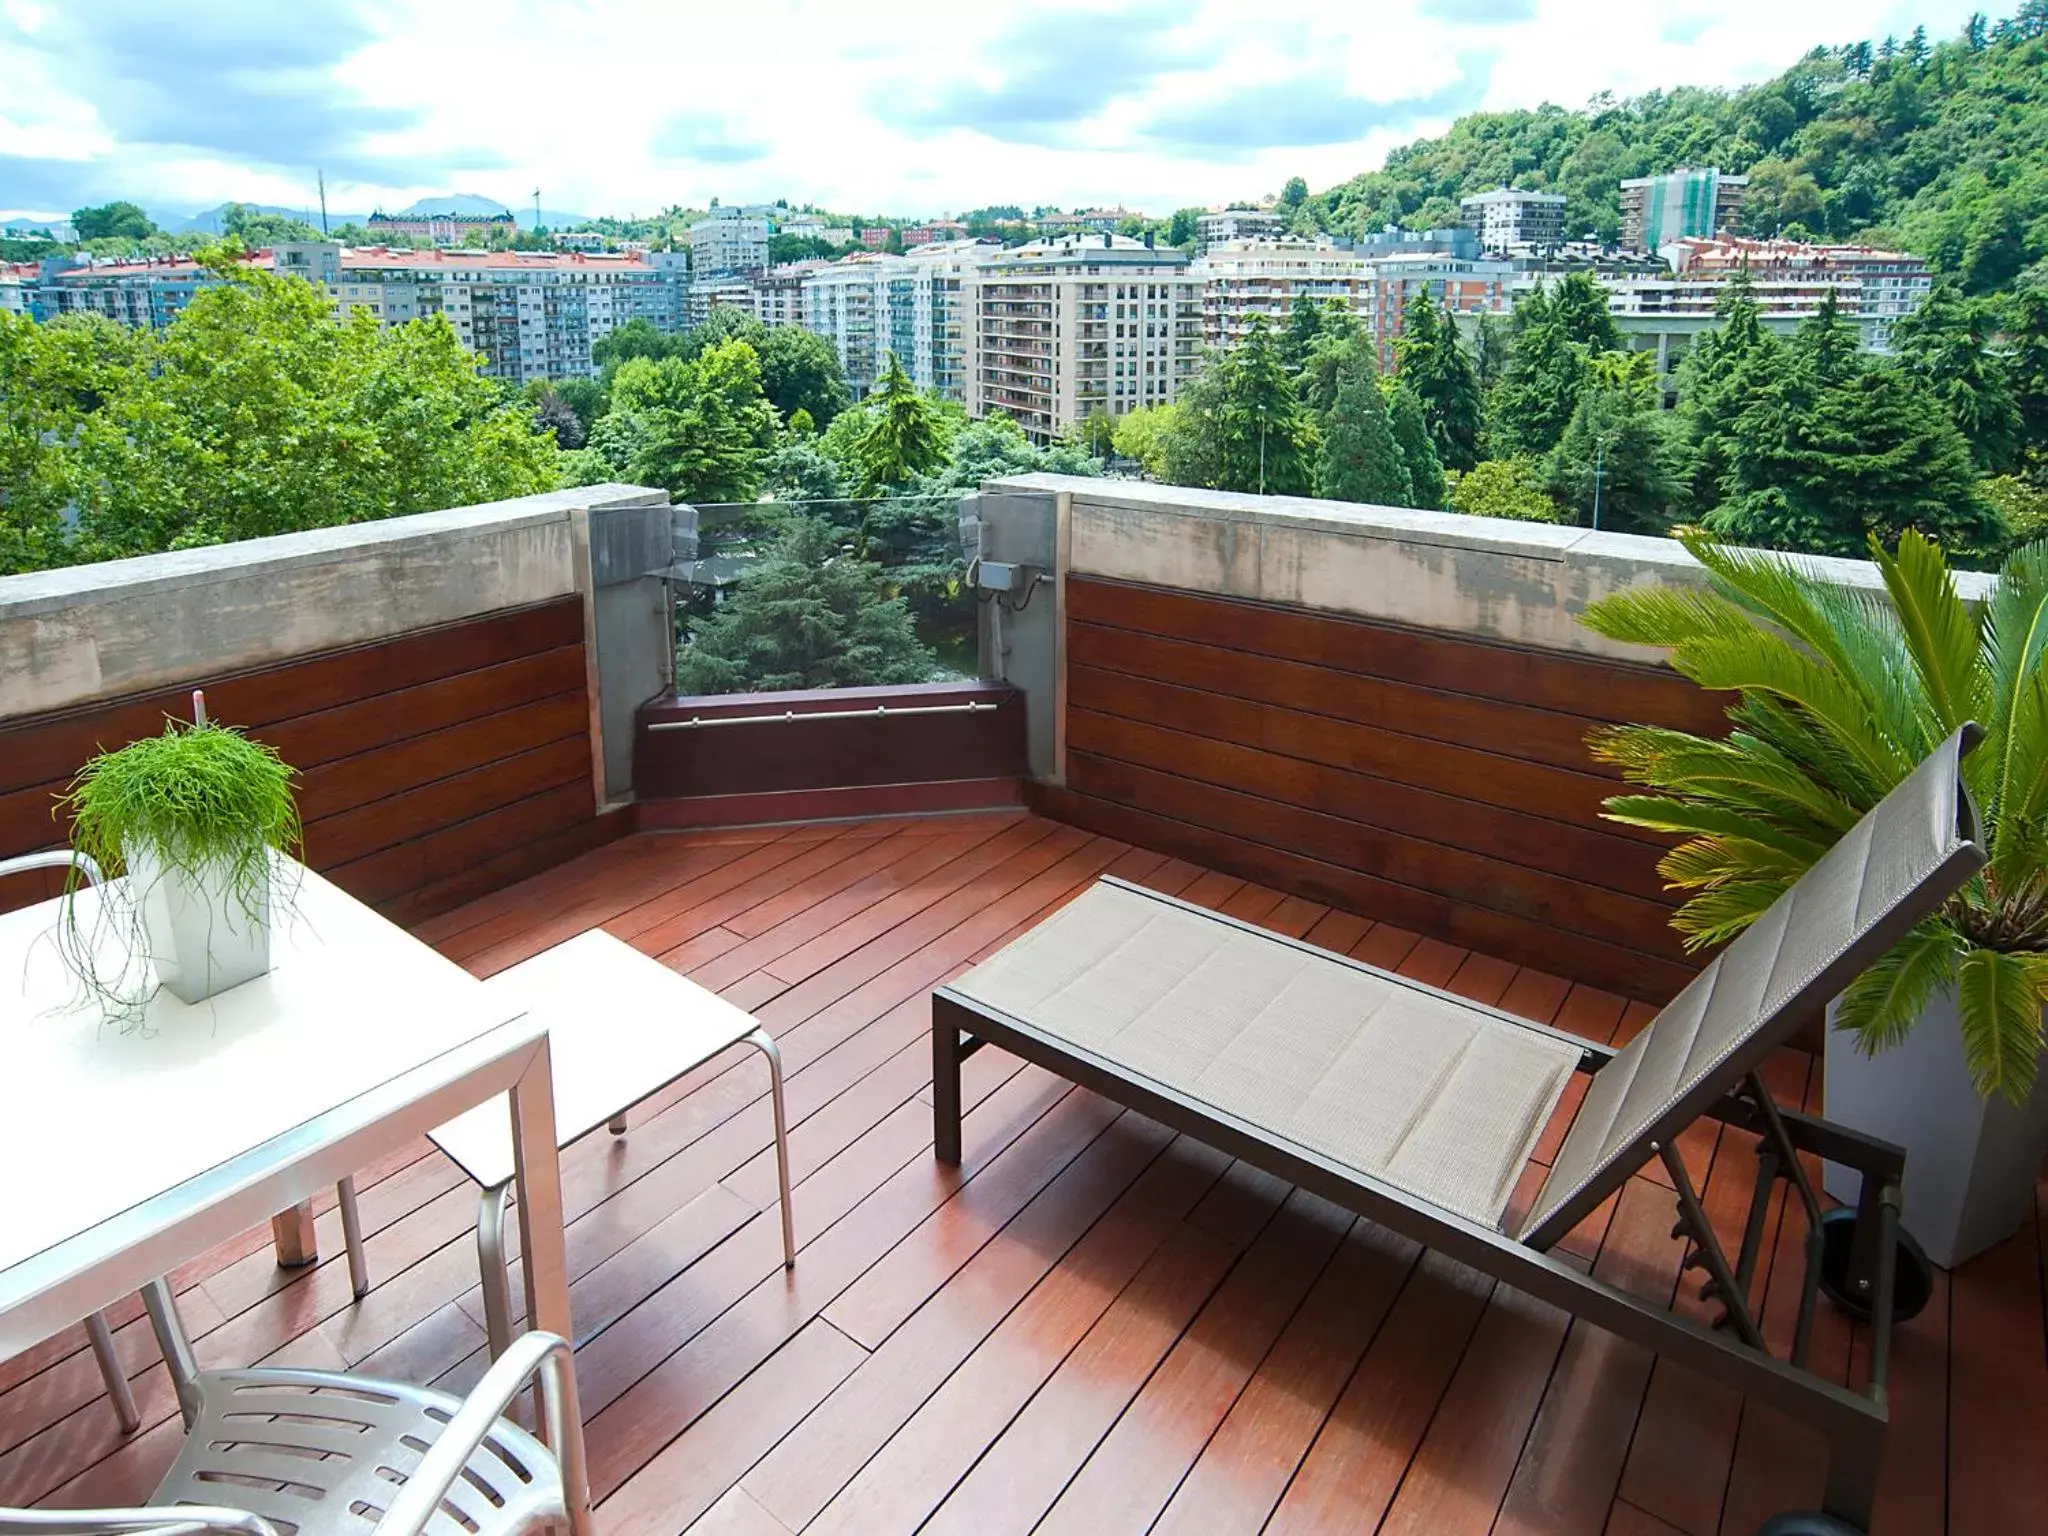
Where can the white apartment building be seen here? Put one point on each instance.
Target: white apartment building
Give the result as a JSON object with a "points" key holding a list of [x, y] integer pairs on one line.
{"points": [[1064, 328], [869, 304], [1243, 278], [532, 314], [1223, 224], [1508, 217], [728, 289], [729, 240], [778, 293]]}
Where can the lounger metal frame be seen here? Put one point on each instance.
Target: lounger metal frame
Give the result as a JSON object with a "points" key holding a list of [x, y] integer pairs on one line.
{"points": [[1731, 1352]]}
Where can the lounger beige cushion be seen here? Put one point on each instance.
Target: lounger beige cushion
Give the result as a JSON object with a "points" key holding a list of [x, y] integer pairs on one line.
{"points": [[1390, 1079]]}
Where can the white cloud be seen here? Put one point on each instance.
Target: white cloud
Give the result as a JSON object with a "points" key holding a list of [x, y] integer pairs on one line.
{"points": [[898, 106]]}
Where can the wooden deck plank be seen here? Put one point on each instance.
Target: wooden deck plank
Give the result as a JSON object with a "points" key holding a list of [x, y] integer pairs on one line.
{"points": [[1081, 1328]]}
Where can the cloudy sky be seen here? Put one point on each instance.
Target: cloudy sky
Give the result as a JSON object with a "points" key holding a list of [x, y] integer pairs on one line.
{"points": [[868, 106]]}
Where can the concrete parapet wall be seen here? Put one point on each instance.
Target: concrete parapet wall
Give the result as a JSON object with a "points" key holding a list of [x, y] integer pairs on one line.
{"points": [[99, 631], [1524, 583]]}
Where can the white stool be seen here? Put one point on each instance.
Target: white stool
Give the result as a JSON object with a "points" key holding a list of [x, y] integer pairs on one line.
{"points": [[621, 1027]]}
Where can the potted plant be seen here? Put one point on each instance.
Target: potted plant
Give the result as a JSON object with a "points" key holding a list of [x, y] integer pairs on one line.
{"points": [[1840, 694], [192, 817]]}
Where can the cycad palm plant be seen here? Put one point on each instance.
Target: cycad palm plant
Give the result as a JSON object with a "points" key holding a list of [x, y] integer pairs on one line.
{"points": [[1841, 693]]}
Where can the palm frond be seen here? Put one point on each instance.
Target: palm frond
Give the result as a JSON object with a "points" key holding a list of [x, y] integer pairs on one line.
{"points": [[1796, 739], [1662, 813], [1999, 999], [1747, 775], [1664, 616], [1719, 914], [1940, 633], [2012, 771], [1708, 861], [1836, 706], [1881, 1006]]}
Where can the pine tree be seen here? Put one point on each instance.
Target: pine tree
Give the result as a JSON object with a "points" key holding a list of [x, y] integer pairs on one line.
{"points": [[1718, 380], [1304, 325], [1434, 365], [1411, 432], [902, 437], [1239, 426], [1616, 447], [1555, 333], [1947, 344], [2027, 370], [1359, 459]]}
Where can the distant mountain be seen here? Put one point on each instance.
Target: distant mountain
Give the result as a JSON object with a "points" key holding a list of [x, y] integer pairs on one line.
{"points": [[483, 207], [214, 221]]}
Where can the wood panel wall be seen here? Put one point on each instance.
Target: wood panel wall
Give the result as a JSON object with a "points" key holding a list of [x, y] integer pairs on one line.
{"points": [[1438, 782], [829, 761], [433, 767]]}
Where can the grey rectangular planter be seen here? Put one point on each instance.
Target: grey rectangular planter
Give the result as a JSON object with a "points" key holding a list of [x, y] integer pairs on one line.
{"points": [[1971, 1164]]}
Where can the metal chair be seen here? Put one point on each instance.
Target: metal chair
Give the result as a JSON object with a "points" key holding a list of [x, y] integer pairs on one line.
{"points": [[318, 1453], [97, 1333]]}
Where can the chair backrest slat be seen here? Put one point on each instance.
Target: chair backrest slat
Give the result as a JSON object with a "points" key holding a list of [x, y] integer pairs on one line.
{"points": [[1892, 869]]}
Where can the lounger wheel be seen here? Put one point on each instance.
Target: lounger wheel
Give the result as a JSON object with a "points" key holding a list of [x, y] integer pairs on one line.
{"points": [[1912, 1286], [1807, 1523]]}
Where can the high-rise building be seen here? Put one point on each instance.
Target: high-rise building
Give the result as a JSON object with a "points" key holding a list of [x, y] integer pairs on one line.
{"points": [[1509, 217], [729, 240], [1062, 329], [1656, 210], [1243, 278], [868, 305], [1221, 224]]}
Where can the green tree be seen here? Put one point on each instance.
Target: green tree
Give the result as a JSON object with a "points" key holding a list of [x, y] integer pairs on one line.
{"points": [[1556, 332], [1141, 435], [1947, 343], [697, 426], [113, 221], [1718, 380], [1184, 228], [808, 617], [800, 372], [2026, 328], [902, 435], [1098, 434], [1293, 195], [1304, 325], [256, 229], [1433, 363], [1359, 459], [1835, 450], [1240, 426], [1411, 432], [1616, 445], [1510, 488]]}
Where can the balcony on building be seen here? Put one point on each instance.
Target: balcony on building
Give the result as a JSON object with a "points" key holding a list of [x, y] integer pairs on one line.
{"points": [[1360, 726]]}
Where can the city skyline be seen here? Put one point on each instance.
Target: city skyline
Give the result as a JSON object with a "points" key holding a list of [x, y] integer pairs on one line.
{"points": [[910, 108]]}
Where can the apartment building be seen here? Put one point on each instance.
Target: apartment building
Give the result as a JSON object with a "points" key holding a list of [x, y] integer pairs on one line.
{"points": [[936, 230], [1064, 328], [1470, 288], [778, 293], [1225, 224], [1687, 203], [143, 294], [1509, 217], [441, 228], [720, 290], [1889, 285], [869, 304], [729, 240], [17, 287], [875, 237], [531, 314], [1243, 278]]}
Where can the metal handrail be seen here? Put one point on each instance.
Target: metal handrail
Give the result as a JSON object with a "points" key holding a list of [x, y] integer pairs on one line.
{"points": [[879, 712]]}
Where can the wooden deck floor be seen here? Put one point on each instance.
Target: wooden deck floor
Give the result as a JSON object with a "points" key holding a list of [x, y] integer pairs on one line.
{"points": [[1091, 1325]]}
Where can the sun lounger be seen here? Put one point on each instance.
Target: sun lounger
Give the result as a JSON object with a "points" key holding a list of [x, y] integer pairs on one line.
{"points": [[1421, 1110]]}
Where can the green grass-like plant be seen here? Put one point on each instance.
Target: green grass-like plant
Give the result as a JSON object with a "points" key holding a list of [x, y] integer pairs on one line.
{"points": [[205, 797], [1841, 693]]}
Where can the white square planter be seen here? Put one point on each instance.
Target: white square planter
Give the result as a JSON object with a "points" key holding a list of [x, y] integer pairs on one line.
{"points": [[1970, 1163], [202, 937]]}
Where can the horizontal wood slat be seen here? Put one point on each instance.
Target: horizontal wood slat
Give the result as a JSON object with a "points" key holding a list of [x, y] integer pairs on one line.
{"points": [[1441, 781], [434, 767]]}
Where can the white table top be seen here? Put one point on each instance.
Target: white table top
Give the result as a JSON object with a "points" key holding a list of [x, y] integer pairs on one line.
{"points": [[621, 1026], [94, 1120]]}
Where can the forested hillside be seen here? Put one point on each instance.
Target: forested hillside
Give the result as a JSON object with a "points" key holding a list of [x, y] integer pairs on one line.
{"points": [[1937, 147]]}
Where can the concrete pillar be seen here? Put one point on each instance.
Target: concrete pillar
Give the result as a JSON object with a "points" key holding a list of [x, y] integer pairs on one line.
{"points": [[1019, 632], [630, 628]]}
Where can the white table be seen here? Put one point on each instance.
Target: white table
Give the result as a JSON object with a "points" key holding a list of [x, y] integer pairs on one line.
{"points": [[125, 1154]]}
